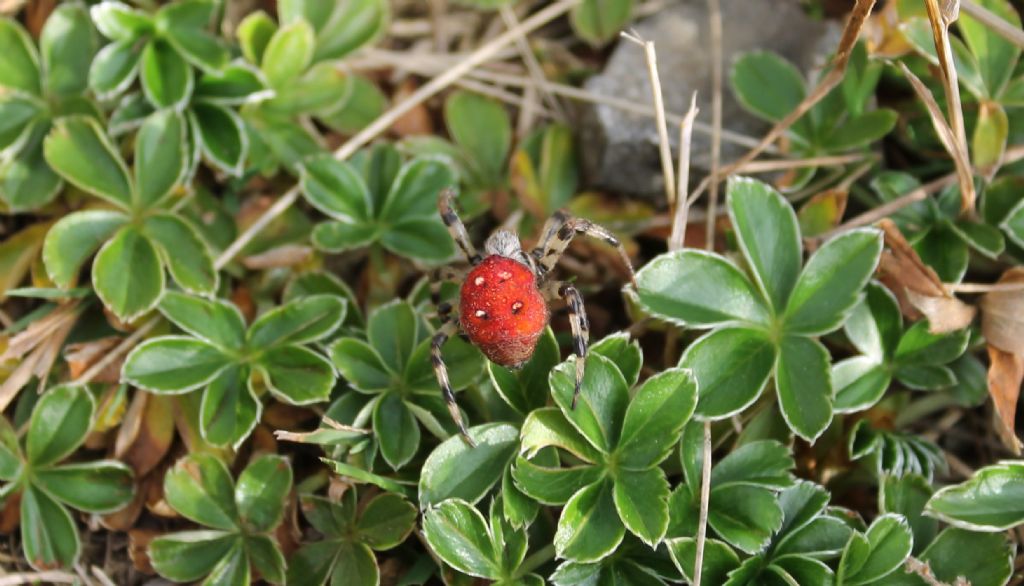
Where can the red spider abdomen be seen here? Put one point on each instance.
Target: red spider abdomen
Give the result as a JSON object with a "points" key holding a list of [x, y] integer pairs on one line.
{"points": [[502, 311]]}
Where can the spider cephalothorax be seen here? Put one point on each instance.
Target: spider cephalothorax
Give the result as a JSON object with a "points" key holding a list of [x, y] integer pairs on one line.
{"points": [[503, 299]]}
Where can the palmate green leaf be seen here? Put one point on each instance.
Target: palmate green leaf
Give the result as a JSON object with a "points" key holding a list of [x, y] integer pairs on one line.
{"points": [[261, 491], [17, 112], [466, 113], [459, 535], [79, 150], [49, 537], [988, 144], [199, 487], [768, 235], [803, 383], [338, 237], [641, 499], [297, 375], [361, 365], [942, 249], [232, 570], [907, 496], [386, 521], [590, 528], [160, 159], [655, 418], [550, 485], [365, 103], [230, 409], [986, 239], [879, 552], [335, 188], [517, 508], [862, 130], [59, 424], [236, 84], [988, 501], [699, 289], [288, 53], [875, 324], [184, 251], [265, 557], [420, 238], [455, 470], [352, 25], [222, 136], [983, 559], [96, 487], [719, 559], [300, 321], [67, 44], [313, 563], [830, 284], [413, 194], [118, 21], [323, 283], [394, 330], [744, 516], [859, 383], [548, 427], [396, 430], [187, 556], [27, 182], [599, 21], [74, 238], [801, 503], [254, 32], [769, 86], [183, 24], [996, 56], [173, 364], [526, 388], [731, 366], [10, 452], [323, 88], [602, 403], [213, 320], [919, 346], [19, 69], [765, 463], [624, 352], [114, 69], [127, 274], [823, 538], [167, 78]]}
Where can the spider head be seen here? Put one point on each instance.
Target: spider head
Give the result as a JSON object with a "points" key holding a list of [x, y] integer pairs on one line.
{"points": [[504, 243]]}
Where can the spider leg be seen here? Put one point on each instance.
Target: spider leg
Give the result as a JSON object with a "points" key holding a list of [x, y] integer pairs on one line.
{"points": [[580, 328], [559, 232], [455, 226], [449, 328]]}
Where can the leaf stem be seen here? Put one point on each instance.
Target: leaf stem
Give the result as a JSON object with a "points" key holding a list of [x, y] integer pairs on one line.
{"points": [[536, 560]]}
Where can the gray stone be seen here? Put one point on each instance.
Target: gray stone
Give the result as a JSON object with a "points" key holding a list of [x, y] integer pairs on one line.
{"points": [[620, 149]]}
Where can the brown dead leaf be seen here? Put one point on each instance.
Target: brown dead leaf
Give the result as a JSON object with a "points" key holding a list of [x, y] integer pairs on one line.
{"points": [[1005, 373], [284, 256], [138, 548], [1002, 315], [10, 514], [146, 433], [415, 121], [883, 34], [242, 298], [37, 348], [81, 356], [125, 518], [284, 416], [36, 14], [917, 288]]}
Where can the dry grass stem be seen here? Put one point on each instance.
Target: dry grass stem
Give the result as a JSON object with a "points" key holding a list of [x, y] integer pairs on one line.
{"points": [[530, 60], [664, 148], [52, 577], [681, 213]]}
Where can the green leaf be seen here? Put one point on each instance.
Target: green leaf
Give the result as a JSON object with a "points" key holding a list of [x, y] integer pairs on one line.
{"points": [[875, 324], [67, 44], [266, 557], [589, 528], [996, 56], [261, 492], [602, 401], [718, 561], [699, 289], [801, 503], [127, 274], [199, 487], [352, 25], [804, 384], [74, 238], [336, 189], [394, 331], [766, 228], [655, 417], [986, 239], [232, 569], [745, 516], [313, 562], [624, 352], [981, 559], [355, 564], [907, 496], [548, 427], [396, 429], [340, 236], [459, 535], [222, 136], [236, 84], [426, 239], [941, 249], [830, 285], [413, 193], [297, 375], [861, 130], [823, 538], [114, 69], [215, 321], [386, 521], [173, 364], [79, 150], [641, 499], [48, 534], [361, 365], [599, 21], [160, 159], [765, 463], [254, 33], [59, 424], [288, 53], [731, 366], [229, 410], [991, 131], [27, 182], [519, 509], [187, 556], [188, 257], [466, 113], [301, 321], [19, 69], [455, 470], [167, 78], [182, 24], [919, 346], [365, 103], [324, 88], [859, 383], [10, 452], [95, 487], [553, 486], [769, 86], [526, 388], [878, 553], [991, 500], [118, 21]]}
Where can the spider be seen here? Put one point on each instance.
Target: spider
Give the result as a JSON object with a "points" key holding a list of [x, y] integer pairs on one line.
{"points": [[504, 295]]}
